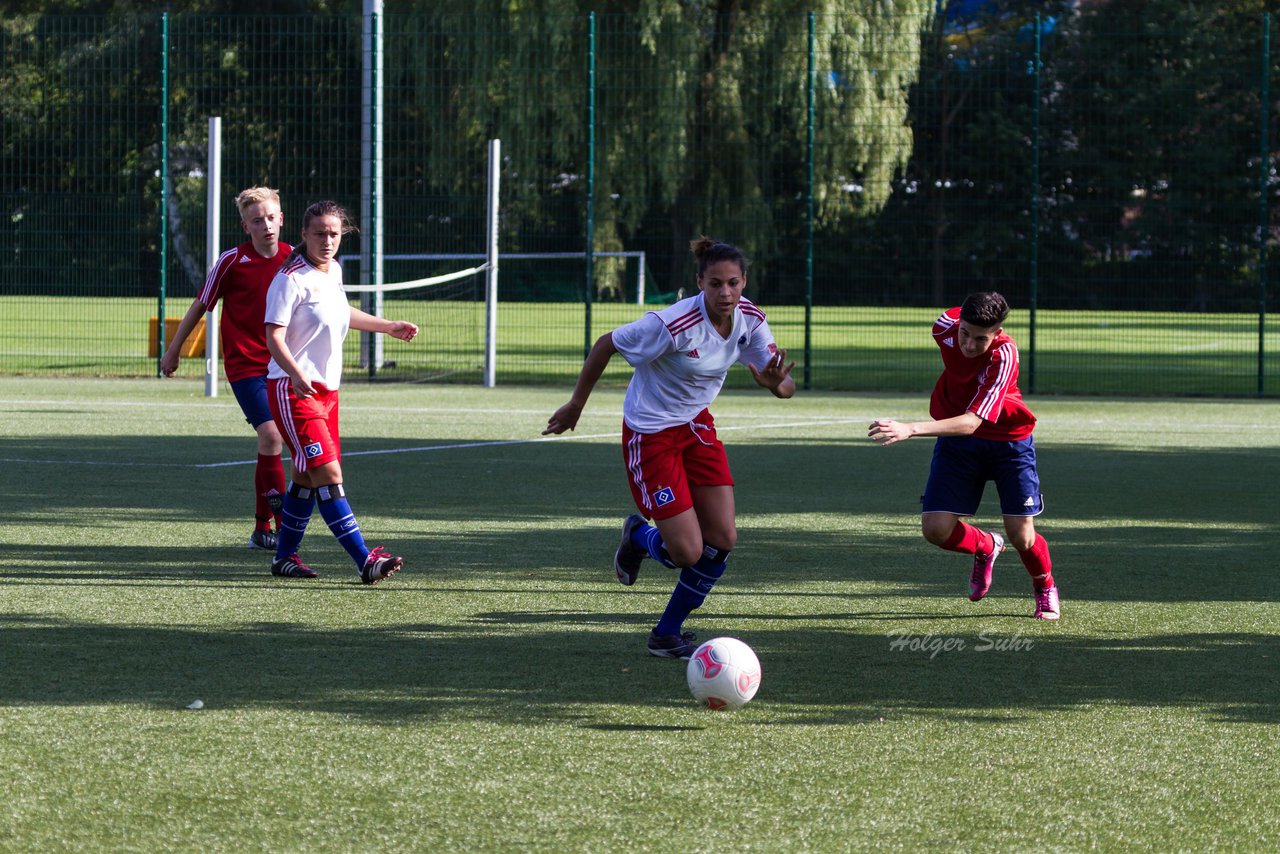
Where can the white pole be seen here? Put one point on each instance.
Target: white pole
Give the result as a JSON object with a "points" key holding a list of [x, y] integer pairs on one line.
{"points": [[214, 189], [640, 280], [371, 215], [491, 272]]}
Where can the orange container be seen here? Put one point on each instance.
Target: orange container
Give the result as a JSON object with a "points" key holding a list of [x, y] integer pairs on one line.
{"points": [[195, 341]]}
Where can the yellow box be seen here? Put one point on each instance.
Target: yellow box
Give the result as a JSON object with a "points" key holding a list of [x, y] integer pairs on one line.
{"points": [[195, 341]]}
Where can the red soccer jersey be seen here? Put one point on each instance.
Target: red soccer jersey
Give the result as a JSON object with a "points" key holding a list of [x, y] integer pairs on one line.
{"points": [[240, 278], [986, 386]]}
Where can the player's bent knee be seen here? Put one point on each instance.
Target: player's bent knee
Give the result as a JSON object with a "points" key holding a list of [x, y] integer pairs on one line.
{"points": [[1022, 544], [684, 554], [937, 530], [724, 539]]}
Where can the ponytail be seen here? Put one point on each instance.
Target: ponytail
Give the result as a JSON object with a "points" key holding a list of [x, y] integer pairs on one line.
{"points": [[707, 252]]}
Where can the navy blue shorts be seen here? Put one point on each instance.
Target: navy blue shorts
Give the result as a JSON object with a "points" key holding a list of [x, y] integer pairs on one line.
{"points": [[251, 394], [962, 465]]}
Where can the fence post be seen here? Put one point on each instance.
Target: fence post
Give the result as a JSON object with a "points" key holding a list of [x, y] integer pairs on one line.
{"points": [[1034, 295], [371, 173], [1264, 174], [808, 219], [164, 185], [591, 179], [213, 201]]}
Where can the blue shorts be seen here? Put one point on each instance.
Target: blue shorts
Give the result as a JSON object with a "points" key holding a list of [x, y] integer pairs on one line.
{"points": [[962, 465], [251, 394]]}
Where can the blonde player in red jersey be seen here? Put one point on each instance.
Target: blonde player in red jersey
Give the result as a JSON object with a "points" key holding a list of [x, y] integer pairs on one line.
{"points": [[240, 278], [983, 432], [307, 318], [676, 466]]}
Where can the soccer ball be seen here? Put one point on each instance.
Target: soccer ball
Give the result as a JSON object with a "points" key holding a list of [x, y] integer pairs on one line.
{"points": [[724, 673]]}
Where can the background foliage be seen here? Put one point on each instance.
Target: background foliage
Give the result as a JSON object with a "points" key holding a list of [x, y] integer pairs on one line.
{"points": [[1108, 155]]}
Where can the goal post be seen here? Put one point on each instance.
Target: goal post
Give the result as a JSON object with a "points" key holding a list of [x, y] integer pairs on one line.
{"points": [[491, 267], [374, 288], [211, 352]]}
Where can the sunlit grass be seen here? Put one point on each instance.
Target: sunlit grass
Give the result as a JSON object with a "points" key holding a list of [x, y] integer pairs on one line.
{"points": [[497, 695]]}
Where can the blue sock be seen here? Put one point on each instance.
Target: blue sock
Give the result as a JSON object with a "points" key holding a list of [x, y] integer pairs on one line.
{"points": [[341, 521], [295, 513], [648, 538], [691, 590]]}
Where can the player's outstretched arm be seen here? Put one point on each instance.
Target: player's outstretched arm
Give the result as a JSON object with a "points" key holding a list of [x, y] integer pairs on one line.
{"points": [[362, 321], [172, 353], [887, 431], [776, 375], [566, 417]]}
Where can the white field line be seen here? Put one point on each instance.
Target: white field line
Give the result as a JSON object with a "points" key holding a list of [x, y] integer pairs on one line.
{"points": [[428, 448], [230, 406]]}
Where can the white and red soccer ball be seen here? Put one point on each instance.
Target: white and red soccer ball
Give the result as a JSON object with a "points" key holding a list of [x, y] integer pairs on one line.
{"points": [[724, 673]]}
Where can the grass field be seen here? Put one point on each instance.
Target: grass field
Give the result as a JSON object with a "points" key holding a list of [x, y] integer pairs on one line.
{"points": [[496, 696], [853, 348]]}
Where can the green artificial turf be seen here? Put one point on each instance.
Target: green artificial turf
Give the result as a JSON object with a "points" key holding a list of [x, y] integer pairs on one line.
{"points": [[497, 696]]}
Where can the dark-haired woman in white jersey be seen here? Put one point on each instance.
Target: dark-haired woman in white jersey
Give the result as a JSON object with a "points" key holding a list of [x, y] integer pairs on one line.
{"points": [[677, 468]]}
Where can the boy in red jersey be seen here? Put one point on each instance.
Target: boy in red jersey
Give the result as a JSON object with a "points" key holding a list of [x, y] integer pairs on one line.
{"points": [[240, 278], [983, 432]]}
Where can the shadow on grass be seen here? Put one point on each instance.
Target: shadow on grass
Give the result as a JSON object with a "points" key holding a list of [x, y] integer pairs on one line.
{"points": [[1125, 534], [568, 666]]}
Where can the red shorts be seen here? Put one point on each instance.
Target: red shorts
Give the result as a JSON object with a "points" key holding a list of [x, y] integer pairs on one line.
{"points": [[309, 425], [662, 466]]}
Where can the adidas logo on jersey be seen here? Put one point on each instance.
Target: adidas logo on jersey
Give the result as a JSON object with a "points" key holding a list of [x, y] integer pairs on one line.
{"points": [[245, 259], [692, 354]]}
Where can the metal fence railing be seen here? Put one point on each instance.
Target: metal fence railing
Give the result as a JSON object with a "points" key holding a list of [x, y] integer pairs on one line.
{"points": [[1111, 170]]}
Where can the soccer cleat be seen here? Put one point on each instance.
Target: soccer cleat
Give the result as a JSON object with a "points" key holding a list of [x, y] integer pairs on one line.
{"points": [[980, 578], [292, 567], [626, 560], [672, 646], [379, 565], [260, 539], [1047, 605]]}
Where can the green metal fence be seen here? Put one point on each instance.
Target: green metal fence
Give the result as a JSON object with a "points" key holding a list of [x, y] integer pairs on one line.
{"points": [[1110, 170]]}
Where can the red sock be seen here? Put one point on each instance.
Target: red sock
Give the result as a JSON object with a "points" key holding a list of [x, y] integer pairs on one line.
{"points": [[968, 539], [1036, 560], [268, 483]]}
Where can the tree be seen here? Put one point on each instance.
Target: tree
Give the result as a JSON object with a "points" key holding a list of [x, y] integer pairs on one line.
{"points": [[1154, 120], [701, 109]]}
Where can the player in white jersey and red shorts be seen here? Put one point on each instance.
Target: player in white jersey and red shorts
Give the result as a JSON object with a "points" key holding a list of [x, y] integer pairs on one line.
{"points": [[307, 319], [240, 279], [983, 432], [676, 466]]}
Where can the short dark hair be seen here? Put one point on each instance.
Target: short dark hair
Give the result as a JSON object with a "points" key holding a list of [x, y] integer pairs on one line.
{"points": [[985, 309], [707, 252]]}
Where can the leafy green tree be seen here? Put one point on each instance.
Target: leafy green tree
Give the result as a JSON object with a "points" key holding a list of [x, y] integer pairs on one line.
{"points": [[1154, 122], [701, 110]]}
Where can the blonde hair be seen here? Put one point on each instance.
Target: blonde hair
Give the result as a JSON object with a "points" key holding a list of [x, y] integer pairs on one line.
{"points": [[254, 195]]}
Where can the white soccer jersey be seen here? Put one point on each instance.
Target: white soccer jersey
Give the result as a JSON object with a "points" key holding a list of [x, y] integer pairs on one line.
{"points": [[681, 361], [312, 306]]}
